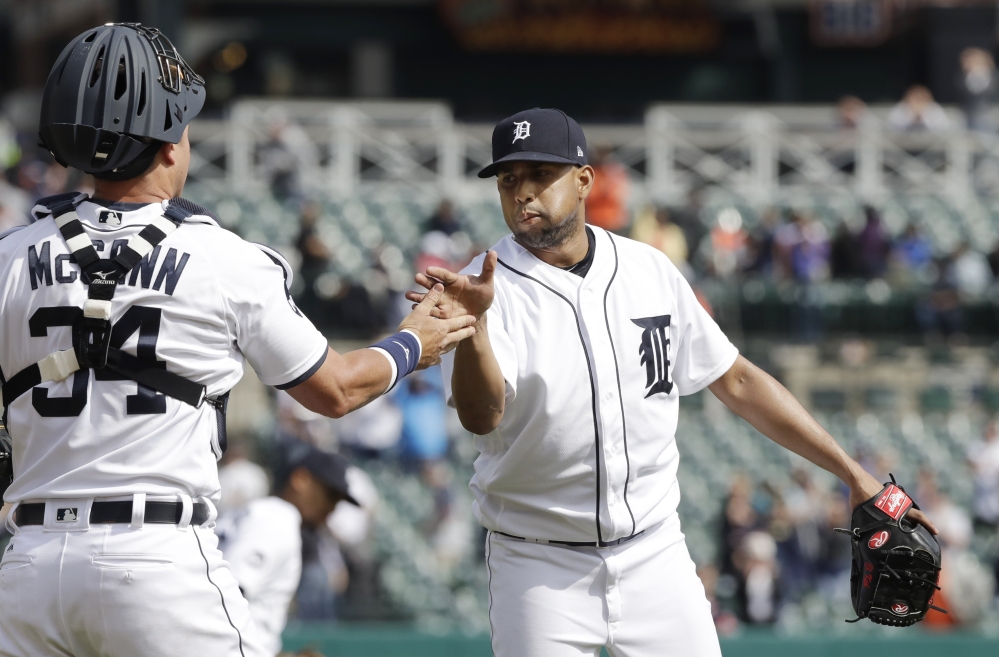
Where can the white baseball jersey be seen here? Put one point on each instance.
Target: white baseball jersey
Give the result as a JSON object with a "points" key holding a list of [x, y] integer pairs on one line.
{"points": [[200, 303], [594, 369], [262, 542]]}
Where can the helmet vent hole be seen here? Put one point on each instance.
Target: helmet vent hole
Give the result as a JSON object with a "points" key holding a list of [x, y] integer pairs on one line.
{"points": [[168, 119], [141, 107], [95, 74], [121, 82], [90, 37]]}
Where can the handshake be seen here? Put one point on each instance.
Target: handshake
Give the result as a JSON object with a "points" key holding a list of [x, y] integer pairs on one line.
{"points": [[449, 309]]}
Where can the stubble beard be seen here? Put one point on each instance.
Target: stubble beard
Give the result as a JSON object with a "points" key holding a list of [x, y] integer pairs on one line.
{"points": [[550, 237]]}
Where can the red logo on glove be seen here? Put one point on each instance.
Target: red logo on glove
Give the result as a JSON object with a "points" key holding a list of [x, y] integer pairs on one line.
{"points": [[900, 609], [894, 502], [878, 539], [867, 581]]}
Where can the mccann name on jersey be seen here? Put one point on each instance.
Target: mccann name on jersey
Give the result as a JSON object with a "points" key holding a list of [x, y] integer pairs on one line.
{"points": [[161, 273]]}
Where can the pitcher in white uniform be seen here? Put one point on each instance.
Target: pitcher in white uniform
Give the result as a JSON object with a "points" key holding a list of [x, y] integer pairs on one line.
{"points": [[124, 321], [585, 343]]}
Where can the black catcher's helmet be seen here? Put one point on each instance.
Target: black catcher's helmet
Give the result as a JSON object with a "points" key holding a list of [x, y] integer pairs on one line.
{"points": [[116, 93]]}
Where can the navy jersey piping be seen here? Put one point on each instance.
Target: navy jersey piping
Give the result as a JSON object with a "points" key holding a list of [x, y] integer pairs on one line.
{"points": [[208, 574], [302, 378], [593, 387], [620, 396]]}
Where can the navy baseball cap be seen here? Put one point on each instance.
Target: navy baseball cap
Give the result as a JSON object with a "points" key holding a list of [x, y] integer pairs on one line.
{"points": [[329, 468], [537, 135]]}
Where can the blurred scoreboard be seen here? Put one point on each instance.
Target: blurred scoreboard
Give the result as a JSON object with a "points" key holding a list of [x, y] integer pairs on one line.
{"points": [[850, 22]]}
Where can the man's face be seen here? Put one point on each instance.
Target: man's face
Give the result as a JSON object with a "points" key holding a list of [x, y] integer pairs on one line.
{"points": [[542, 201]]}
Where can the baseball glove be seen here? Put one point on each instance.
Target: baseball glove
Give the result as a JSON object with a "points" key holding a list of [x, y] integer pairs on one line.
{"points": [[896, 562]]}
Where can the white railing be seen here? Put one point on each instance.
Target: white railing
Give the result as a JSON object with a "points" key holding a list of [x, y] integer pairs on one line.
{"points": [[762, 155]]}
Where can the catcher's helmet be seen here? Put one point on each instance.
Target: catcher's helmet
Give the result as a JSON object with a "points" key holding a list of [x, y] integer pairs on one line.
{"points": [[116, 93]]}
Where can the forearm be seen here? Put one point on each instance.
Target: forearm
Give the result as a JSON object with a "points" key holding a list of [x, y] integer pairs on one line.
{"points": [[767, 405], [345, 382], [478, 387]]}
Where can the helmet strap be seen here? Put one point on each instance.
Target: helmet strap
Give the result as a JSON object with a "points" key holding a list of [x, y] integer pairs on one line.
{"points": [[136, 167]]}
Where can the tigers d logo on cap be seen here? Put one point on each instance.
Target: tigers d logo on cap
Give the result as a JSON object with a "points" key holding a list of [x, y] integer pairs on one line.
{"points": [[537, 135]]}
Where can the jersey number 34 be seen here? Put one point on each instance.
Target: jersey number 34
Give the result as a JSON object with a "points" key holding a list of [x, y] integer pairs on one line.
{"points": [[144, 320]]}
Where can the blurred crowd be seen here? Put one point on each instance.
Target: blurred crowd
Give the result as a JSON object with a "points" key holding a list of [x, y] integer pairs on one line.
{"points": [[779, 545]]}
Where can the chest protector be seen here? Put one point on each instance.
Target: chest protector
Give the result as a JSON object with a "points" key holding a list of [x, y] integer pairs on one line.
{"points": [[92, 331]]}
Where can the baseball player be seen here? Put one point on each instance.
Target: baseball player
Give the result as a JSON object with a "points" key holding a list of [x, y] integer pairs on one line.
{"points": [[125, 319], [585, 343], [262, 543]]}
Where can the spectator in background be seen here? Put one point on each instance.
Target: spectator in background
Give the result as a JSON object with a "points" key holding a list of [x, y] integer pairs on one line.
{"points": [[757, 562], [314, 256], [912, 251], [918, 111], [804, 507], [728, 244], [738, 519], [850, 111], [873, 245], [978, 87], [802, 249], [658, 231], [287, 156], [844, 260], [983, 459], [969, 272], [607, 204], [444, 220], [760, 244], [420, 397]]}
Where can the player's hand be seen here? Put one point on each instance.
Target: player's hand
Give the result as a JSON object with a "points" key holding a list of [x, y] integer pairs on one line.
{"points": [[868, 487], [463, 294], [438, 336]]}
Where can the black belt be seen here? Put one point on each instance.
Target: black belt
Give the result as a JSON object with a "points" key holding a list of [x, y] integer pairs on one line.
{"points": [[613, 543], [103, 513]]}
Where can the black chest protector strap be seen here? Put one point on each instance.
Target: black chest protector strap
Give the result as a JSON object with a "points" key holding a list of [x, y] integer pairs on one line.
{"points": [[92, 332]]}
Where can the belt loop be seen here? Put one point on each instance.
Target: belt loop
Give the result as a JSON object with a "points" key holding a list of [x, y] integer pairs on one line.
{"points": [[10, 522], [185, 515], [138, 511], [213, 513]]}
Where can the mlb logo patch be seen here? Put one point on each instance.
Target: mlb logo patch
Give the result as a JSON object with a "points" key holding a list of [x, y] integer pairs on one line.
{"points": [[109, 217], [66, 515]]}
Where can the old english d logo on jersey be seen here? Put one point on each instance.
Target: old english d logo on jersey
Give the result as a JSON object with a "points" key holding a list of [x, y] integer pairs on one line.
{"points": [[655, 353]]}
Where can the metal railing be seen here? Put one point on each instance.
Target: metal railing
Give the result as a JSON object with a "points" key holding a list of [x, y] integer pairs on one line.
{"points": [[761, 155]]}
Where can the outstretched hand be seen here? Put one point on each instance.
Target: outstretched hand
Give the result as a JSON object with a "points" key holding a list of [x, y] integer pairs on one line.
{"points": [[868, 487], [438, 335], [463, 294]]}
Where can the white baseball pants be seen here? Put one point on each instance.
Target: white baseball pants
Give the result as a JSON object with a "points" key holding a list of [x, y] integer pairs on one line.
{"points": [[639, 599], [114, 591]]}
